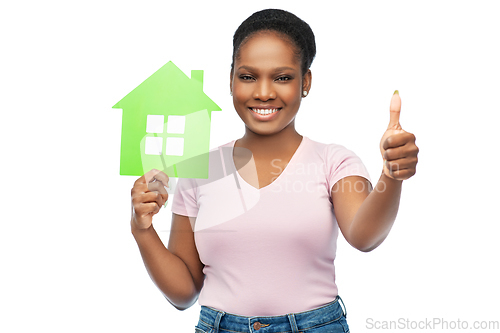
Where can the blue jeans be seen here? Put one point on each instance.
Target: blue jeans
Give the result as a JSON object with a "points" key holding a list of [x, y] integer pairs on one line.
{"points": [[329, 318]]}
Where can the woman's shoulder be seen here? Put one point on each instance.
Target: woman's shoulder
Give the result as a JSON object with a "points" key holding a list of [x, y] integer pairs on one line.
{"points": [[326, 149], [339, 160]]}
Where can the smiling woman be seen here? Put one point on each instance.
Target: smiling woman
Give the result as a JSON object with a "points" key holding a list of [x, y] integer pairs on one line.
{"points": [[257, 246], [267, 84]]}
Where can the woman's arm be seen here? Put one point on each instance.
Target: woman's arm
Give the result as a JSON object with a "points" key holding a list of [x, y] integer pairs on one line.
{"points": [[177, 271], [167, 270], [365, 217]]}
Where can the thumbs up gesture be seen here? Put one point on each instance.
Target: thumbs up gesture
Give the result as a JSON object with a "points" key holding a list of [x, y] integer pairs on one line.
{"points": [[397, 146]]}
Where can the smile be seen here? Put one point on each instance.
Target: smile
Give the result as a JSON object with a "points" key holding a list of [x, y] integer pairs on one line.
{"points": [[265, 111]]}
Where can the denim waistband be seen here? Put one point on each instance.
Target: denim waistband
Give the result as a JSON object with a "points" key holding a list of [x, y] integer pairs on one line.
{"points": [[291, 322]]}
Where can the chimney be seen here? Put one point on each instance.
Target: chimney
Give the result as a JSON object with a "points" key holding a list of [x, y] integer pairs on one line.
{"points": [[197, 75]]}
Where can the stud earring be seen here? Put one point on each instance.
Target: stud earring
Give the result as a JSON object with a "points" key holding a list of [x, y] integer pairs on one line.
{"points": [[231, 93], [304, 93]]}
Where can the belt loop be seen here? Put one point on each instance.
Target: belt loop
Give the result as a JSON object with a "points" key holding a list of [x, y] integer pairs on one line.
{"points": [[217, 320], [344, 309], [291, 318]]}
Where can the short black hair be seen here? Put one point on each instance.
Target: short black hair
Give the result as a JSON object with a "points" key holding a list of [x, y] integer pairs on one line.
{"points": [[285, 24]]}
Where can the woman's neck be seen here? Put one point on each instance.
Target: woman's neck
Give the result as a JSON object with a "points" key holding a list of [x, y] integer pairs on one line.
{"points": [[271, 146]]}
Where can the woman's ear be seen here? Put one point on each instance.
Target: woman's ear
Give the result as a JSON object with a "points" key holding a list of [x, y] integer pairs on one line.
{"points": [[306, 81]]}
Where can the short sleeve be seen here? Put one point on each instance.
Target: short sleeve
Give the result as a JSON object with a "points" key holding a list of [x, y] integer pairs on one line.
{"points": [[185, 198], [342, 162]]}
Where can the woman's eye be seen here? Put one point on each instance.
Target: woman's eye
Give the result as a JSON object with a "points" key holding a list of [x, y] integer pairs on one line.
{"points": [[246, 77], [283, 78]]}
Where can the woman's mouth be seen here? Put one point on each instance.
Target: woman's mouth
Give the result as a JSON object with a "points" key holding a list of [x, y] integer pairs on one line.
{"points": [[264, 112]]}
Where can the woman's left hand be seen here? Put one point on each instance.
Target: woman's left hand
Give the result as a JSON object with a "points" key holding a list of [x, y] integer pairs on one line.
{"points": [[397, 146]]}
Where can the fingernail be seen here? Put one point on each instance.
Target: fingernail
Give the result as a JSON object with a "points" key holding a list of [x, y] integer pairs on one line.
{"points": [[165, 205], [396, 92]]}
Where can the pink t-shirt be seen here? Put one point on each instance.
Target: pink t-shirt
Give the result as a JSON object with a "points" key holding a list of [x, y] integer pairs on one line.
{"points": [[268, 251]]}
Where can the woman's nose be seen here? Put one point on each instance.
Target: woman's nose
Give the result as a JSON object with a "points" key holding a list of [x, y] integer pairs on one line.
{"points": [[264, 91]]}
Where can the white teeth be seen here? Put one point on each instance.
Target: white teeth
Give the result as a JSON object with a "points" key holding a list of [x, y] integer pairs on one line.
{"points": [[265, 111]]}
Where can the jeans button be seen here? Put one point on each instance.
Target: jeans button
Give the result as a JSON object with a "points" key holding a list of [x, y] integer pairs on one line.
{"points": [[257, 326]]}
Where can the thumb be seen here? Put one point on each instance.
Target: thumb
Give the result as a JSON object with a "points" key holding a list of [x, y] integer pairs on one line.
{"points": [[395, 111]]}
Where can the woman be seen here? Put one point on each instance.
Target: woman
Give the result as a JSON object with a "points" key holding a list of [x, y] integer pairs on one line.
{"points": [[264, 251]]}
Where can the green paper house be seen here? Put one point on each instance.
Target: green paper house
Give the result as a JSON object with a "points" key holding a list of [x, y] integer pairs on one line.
{"points": [[166, 125]]}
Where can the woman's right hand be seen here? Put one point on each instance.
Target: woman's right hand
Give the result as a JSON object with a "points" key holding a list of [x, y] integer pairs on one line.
{"points": [[148, 196]]}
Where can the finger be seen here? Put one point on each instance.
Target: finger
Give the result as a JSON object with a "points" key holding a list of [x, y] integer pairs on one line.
{"points": [[151, 175], [158, 177], [407, 151], [395, 110], [148, 208], [149, 198], [140, 181], [398, 140], [162, 177], [402, 174], [158, 187], [394, 154], [401, 164], [146, 178]]}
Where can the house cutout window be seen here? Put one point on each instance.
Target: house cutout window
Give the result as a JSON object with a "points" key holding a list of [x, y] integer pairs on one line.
{"points": [[174, 145], [176, 124], [153, 145], [154, 123]]}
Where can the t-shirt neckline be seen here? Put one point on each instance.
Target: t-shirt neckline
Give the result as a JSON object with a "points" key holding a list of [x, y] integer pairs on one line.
{"points": [[297, 152]]}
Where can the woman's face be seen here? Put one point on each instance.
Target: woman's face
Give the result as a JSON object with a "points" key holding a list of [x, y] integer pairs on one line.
{"points": [[267, 83]]}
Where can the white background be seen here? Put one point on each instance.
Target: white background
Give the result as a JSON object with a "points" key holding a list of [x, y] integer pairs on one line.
{"points": [[68, 260]]}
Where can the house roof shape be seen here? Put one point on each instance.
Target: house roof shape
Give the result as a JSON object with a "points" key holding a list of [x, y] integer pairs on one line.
{"points": [[168, 91]]}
